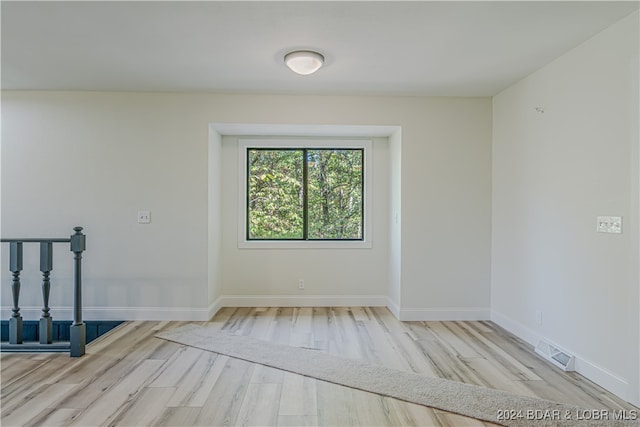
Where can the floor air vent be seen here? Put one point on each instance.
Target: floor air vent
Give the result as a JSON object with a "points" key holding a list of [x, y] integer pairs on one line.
{"points": [[555, 355]]}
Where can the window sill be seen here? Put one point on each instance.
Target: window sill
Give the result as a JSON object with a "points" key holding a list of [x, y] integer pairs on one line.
{"points": [[304, 244]]}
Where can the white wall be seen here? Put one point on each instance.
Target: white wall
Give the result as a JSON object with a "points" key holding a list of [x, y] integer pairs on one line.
{"points": [[395, 222], [553, 173], [95, 159], [250, 274], [446, 212], [215, 220]]}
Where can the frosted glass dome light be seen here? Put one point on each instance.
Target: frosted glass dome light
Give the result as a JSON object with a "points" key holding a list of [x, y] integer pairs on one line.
{"points": [[304, 61]]}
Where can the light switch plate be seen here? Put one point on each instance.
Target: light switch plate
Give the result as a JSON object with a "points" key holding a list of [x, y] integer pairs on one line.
{"points": [[144, 217], [615, 224], [609, 224]]}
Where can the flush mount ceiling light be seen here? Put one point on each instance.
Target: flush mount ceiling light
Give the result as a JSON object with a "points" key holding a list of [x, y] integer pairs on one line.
{"points": [[304, 61]]}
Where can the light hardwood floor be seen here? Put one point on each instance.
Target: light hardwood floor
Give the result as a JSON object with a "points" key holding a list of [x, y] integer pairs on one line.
{"points": [[131, 378]]}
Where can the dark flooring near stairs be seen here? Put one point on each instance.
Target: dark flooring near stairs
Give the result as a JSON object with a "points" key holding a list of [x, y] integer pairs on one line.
{"points": [[95, 328]]}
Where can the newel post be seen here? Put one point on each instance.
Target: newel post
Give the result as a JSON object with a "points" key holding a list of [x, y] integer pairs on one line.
{"points": [[78, 329]]}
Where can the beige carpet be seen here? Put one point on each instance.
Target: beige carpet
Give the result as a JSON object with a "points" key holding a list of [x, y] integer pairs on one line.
{"points": [[470, 400]]}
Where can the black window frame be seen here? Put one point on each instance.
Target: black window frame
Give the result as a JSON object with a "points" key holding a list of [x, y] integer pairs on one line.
{"points": [[305, 181]]}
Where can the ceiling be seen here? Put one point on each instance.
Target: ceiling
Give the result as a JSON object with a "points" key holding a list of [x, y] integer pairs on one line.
{"points": [[372, 48]]}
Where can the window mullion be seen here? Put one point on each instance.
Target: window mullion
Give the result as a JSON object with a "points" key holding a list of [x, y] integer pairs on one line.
{"points": [[305, 196]]}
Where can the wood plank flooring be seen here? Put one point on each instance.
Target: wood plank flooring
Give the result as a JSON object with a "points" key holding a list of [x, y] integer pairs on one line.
{"points": [[131, 378]]}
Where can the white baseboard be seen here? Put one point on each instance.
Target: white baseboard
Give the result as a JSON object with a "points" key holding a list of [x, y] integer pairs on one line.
{"points": [[588, 369], [214, 307], [303, 301], [115, 313], [394, 308], [443, 314], [516, 328]]}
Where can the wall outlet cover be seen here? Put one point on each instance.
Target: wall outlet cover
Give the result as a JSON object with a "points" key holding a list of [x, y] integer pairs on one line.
{"points": [[144, 217]]}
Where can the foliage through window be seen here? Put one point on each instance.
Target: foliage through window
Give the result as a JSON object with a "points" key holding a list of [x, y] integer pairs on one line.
{"points": [[305, 193]]}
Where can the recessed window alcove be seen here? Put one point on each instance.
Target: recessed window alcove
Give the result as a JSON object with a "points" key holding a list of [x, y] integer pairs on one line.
{"points": [[231, 282]]}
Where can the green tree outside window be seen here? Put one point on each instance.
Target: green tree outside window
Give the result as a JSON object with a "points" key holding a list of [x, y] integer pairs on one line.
{"points": [[305, 193]]}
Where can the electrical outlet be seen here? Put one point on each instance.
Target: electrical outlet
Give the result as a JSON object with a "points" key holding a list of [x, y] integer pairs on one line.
{"points": [[144, 217], [300, 284]]}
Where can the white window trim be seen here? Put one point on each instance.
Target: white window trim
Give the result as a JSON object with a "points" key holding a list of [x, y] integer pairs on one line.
{"points": [[366, 243]]}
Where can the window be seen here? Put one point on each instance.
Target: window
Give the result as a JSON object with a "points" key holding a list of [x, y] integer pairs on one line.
{"points": [[304, 192]]}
